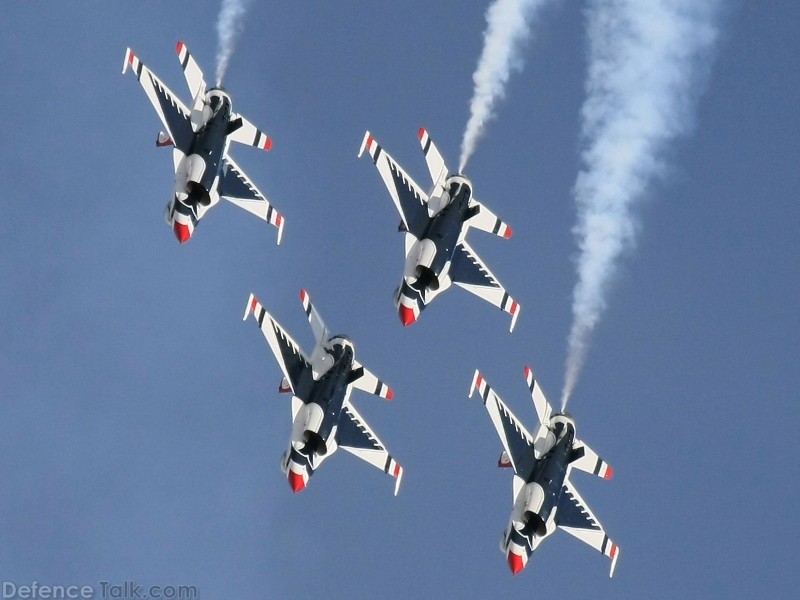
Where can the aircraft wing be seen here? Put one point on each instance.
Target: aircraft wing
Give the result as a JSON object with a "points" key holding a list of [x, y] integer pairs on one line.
{"points": [[585, 459], [355, 436], [244, 132], [173, 113], [517, 442], [575, 517], [238, 189], [294, 364], [469, 272], [408, 197], [487, 221], [363, 379]]}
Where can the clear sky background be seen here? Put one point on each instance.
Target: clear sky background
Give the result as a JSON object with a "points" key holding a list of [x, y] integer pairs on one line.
{"points": [[140, 424]]}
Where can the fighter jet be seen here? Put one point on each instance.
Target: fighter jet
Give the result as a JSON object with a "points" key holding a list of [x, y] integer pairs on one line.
{"points": [[436, 223], [323, 418], [544, 497], [200, 137]]}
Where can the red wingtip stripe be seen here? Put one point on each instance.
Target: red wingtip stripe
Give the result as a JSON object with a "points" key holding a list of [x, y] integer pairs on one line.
{"points": [[609, 472], [507, 233], [389, 394], [613, 550], [479, 380], [514, 307], [254, 303], [397, 470], [267, 144], [527, 372], [421, 132], [278, 220], [179, 47], [131, 56], [303, 295], [370, 139]]}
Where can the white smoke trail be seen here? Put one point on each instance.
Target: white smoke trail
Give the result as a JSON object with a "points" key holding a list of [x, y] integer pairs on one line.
{"points": [[507, 27], [229, 25], [647, 61]]}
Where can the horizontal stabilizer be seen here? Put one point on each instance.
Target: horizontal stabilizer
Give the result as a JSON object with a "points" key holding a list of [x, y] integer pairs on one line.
{"points": [[436, 166], [363, 379], [192, 72], [485, 220], [543, 412], [244, 132], [585, 459]]}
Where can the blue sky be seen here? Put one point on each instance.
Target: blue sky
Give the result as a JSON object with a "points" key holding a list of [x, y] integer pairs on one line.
{"points": [[140, 427]]}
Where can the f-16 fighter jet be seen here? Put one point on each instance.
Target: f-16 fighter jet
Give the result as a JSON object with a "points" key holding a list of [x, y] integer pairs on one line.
{"points": [[200, 136], [323, 419], [436, 225], [544, 497]]}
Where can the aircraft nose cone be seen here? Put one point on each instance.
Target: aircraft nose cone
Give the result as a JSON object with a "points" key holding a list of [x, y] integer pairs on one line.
{"points": [[181, 232], [406, 315], [296, 482], [515, 563]]}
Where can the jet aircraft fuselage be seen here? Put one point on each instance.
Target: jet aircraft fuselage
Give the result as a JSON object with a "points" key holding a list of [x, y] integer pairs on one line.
{"points": [[321, 383], [436, 221], [544, 498], [198, 173], [316, 421], [431, 257], [200, 134]]}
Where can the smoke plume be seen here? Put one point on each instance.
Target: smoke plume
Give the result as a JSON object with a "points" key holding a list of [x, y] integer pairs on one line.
{"points": [[507, 28], [646, 63], [229, 26]]}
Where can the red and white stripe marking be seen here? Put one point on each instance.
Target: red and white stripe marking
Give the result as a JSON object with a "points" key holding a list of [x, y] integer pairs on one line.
{"points": [[396, 471], [130, 60], [423, 136], [479, 383], [512, 307], [306, 300], [263, 141], [529, 378], [180, 48], [385, 391], [279, 222], [253, 305], [369, 143]]}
